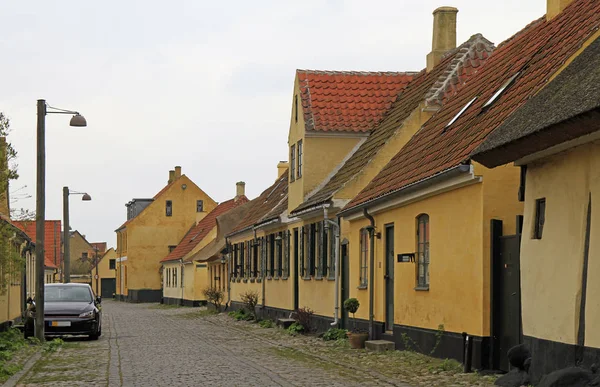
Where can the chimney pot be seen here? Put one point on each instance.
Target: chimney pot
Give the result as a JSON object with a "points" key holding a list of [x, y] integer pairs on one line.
{"points": [[554, 7], [240, 189], [444, 35], [177, 172], [282, 166], [171, 176]]}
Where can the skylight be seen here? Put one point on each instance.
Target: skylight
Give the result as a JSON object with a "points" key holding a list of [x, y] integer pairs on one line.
{"points": [[500, 91], [461, 112]]}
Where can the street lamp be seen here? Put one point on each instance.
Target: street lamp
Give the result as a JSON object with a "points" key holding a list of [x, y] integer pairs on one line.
{"points": [[96, 276], [40, 217], [66, 229]]}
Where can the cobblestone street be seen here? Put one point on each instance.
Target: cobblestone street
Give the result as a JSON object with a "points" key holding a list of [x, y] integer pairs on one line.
{"points": [[146, 345]]}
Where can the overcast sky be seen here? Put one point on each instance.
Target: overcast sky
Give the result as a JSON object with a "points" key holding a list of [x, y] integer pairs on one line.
{"points": [[202, 84]]}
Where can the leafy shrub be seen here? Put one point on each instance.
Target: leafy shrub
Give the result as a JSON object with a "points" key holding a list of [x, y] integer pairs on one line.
{"points": [[334, 334], [214, 296], [295, 328], [304, 317], [250, 300], [241, 314], [52, 346], [266, 323]]}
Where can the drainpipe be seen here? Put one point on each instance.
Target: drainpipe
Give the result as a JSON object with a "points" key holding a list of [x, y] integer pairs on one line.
{"points": [[336, 255], [371, 271], [182, 278], [228, 273]]}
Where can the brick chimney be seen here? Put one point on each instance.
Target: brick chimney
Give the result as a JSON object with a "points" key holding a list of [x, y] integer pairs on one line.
{"points": [[177, 172], [240, 190], [554, 7], [171, 176], [282, 167], [444, 35]]}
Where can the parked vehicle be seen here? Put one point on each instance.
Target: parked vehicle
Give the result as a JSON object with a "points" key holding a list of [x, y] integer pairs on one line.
{"points": [[69, 309]]}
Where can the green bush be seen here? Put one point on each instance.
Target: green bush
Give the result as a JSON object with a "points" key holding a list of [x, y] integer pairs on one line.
{"points": [[52, 346], [266, 323], [334, 334], [295, 328]]}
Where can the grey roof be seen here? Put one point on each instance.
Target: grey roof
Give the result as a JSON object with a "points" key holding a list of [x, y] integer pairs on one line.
{"points": [[568, 107]]}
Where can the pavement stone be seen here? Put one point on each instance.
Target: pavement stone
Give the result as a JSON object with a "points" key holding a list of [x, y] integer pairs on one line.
{"points": [[145, 345]]}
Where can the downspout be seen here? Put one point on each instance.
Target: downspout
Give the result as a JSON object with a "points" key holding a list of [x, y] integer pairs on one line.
{"points": [[336, 255], [371, 271], [182, 278], [228, 274]]}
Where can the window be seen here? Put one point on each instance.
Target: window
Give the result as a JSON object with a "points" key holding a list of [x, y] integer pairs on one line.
{"points": [[293, 163], [296, 108], [271, 255], [174, 277], [301, 269], [297, 249], [182, 276], [299, 171], [280, 255], [312, 248], [241, 263], [323, 250], [332, 246], [453, 120], [423, 251], [255, 259], [112, 264], [169, 208], [84, 256], [199, 206], [286, 253], [540, 217], [500, 91], [248, 259], [171, 248], [364, 257]]}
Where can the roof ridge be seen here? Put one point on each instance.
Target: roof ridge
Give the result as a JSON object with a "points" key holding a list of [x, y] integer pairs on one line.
{"points": [[466, 51], [356, 72]]}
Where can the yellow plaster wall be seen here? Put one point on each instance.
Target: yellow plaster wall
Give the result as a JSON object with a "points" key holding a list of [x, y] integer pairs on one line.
{"points": [[172, 291], [122, 288], [103, 270], [10, 303], [455, 297], [500, 201], [551, 267], [151, 233], [201, 281], [77, 247]]}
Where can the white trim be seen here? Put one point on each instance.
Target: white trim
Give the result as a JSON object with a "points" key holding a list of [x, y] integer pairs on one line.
{"points": [[558, 148], [122, 259], [460, 181]]}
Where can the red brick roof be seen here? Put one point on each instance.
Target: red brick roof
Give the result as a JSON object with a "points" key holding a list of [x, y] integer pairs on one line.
{"points": [[266, 205], [52, 239], [101, 246], [432, 87], [199, 231], [536, 52], [347, 101]]}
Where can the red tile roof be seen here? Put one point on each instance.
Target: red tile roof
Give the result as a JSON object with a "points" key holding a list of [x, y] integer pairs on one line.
{"points": [[101, 246], [432, 87], [52, 239], [266, 206], [347, 101], [536, 52], [199, 231]]}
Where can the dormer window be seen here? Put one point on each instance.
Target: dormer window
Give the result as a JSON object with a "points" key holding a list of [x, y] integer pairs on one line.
{"points": [[500, 91], [453, 120]]}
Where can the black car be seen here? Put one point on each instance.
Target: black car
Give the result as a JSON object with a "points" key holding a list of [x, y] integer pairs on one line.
{"points": [[69, 309]]}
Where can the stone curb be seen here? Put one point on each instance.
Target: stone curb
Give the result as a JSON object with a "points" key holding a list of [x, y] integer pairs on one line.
{"points": [[13, 380]]}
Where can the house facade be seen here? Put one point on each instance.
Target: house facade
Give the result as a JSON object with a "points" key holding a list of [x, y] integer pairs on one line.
{"points": [[184, 279], [154, 228], [554, 140], [104, 279], [435, 226]]}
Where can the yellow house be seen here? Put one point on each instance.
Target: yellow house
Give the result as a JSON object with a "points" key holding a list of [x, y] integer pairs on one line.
{"points": [[414, 105], [555, 140], [153, 228], [434, 236], [258, 256], [104, 274], [212, 266], [81, 257], [183, 278]]}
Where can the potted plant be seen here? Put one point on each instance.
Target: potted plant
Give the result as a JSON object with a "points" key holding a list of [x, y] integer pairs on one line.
{"points": [[356, 337]]}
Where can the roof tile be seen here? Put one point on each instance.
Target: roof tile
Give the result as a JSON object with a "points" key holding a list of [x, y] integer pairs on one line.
{"points": [[52, 239]]}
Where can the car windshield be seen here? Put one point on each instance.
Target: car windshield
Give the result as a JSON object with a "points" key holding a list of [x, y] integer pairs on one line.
{"points": [[67, 294]]}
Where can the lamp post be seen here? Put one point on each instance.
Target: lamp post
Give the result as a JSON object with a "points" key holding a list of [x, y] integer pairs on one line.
{"points": [[96, 277], [66, 230], [40, 216]]}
